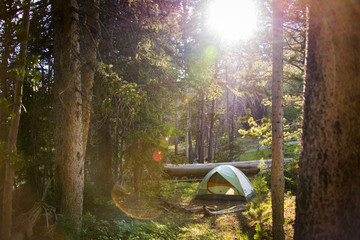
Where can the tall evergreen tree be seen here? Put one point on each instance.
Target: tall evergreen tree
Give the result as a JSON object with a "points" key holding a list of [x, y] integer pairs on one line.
{"points": [[69, 157], [328, 200]]}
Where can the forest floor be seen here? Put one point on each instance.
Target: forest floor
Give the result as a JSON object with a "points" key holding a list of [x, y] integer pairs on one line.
{"points": [[183, 217]]}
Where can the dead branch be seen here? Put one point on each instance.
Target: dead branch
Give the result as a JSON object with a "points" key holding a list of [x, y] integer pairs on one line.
{"points": [[209, 211]]}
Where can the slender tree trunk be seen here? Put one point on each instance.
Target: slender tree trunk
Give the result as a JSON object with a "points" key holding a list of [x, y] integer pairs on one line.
{"points": [[4, 110], [277, 167], [116, 152], [228, 117], [232, 129], [121, 160], [14, 129], [201, 129], [212, 120], [229, 113], [137, 170], [188, 136], [4, 115], [90, 40], [176, 138], [5, 55], [69, 155], [328, 199], [211, 132]]}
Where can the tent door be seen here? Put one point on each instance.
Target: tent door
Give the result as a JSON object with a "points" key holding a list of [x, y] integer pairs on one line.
{"points": [[219, 185]]}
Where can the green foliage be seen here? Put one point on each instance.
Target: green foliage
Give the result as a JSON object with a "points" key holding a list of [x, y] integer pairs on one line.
{"points": [[198, 231], [173, 158], [68, 227], [223, 153], [259, 210], [94, 229], [241, 236], [291, 176], [262, 129], [260, 232], [170, 190]]}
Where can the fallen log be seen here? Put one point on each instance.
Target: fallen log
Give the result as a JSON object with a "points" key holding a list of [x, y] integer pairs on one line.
{"points": [[249, 168]]}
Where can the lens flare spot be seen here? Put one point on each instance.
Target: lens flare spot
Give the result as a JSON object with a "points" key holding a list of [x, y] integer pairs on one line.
{"points": [[211, 52], [157, 155]]}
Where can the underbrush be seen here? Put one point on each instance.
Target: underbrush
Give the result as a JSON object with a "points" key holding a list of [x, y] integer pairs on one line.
{"points": [[109, 223], [171, 190], [94, 229]]}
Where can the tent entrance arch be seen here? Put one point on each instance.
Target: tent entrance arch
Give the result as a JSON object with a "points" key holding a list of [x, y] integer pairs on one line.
{"points": [[219, 185], [225, 182]]}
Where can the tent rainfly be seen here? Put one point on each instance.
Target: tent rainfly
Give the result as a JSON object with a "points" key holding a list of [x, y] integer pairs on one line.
{"points": [[225, 182]]}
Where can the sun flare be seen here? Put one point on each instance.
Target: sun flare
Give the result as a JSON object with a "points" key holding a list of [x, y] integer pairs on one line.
{"points": [[233, 20]]}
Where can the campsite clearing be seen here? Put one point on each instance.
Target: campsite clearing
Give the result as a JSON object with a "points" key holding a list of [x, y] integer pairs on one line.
{"points": [[181, 216]]}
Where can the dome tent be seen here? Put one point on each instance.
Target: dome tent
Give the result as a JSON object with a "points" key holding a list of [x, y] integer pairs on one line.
{"points": [[225, 182]]}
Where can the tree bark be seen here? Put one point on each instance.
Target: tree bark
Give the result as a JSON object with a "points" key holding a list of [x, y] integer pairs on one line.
{"points": [[14, 128], [201, 129], [69, 157], [176, 142], [328, 199], [211, 132], [189, 135], [90, 32], [116, 151], [232, 129], [277, 168], [121, 163], [4, 85], [4, 111]]}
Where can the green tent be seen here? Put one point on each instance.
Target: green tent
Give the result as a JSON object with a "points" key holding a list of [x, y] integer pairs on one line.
{"points": [[225, 182]]}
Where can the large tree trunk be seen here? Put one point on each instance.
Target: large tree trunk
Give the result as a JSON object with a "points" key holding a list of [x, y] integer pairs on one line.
{"points": [[69, 155], [89, 45], [14, 129], [328, 201], [277, 168]]}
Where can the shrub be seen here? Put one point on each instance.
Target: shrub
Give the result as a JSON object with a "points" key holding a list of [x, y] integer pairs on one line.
{"points": [[259, 210]]}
